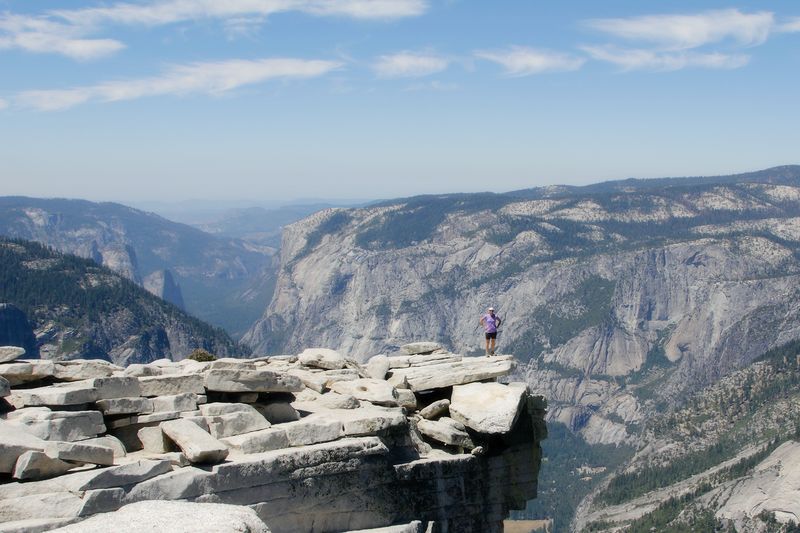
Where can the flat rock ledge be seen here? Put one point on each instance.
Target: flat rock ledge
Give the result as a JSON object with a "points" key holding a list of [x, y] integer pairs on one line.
{"points": [[426, 441]]}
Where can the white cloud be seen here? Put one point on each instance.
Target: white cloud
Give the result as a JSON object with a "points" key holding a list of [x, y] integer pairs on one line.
{"points": [[640, 59], [67, 31], [409, 65], [3, 104], [790, 26], [522, 61], [46, 36], [682, 32], [206, 78]]}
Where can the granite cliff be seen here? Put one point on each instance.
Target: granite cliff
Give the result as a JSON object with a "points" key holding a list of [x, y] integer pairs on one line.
{"points": [[617, 297], [423, 441], [222, 280]]}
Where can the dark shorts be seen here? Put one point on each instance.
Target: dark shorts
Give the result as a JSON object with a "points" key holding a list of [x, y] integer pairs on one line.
{"points": [[492, 335]]}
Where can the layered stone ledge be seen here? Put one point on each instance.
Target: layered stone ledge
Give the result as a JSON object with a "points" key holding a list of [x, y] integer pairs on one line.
{"points": [[313, 442]]}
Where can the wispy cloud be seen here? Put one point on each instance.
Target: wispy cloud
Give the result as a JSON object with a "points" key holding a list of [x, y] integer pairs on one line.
{"points": [[69, 32], [523, 61], [3, 104], [409, 65], [212, 78], [41, 35], [682, 32], [638, 59], [790, 26]]}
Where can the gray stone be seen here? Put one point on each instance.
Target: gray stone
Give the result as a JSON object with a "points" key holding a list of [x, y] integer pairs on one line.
{"points": [[143, 419], [60, 394], [175, 458], [406, 398], [491, 408], [412, 527], [198, 445], [5, 387], [116, 387], [175, 402], [84, 369], [313, 380], [14, 443], [278, 412], [264, 440], [168, 385], [229, 363], [334, 400], [38, 465], [154, 441], [367, 420], [109, 441], [126, 474], [80, 452], [10, 353], [439, 376], [125, 406], [444, 431], [173, 516], [414, 348], [334, 376], [251, 381], [312, 429], [27, 371], [375, 391], [377, 367], [322, 358], [140, 371], [58, 425], [33, 506], [234, 422], [436, 409]]}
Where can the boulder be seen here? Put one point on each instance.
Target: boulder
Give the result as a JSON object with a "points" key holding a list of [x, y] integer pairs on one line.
{"points": [[14, 443], [125, 406], [39, 465], [322, 358], [84, 369], [229, 419], [56, 395], [109, 441], [334, 400], [251, 381], [140, 371], [406, 398], [175, 402], [436, 409], [367, 420], [179, 517], [115, 387], [5, 387], [415, 348], [122, 475], [377, 367], [10, 353], [439, 376], [264, 440], [198, 445], [27, 371], [334, 376], [278, 412], [490, 408], [58, 425], [374, 391], [447, 431], [168, 385], [80, 452], [312, 429], [315, 381], [154, 441]]}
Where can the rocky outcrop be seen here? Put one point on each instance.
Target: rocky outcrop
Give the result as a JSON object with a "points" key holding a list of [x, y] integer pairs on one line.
{"points": [[16, 330], [346, 453], [596, 287], [162, 284]]}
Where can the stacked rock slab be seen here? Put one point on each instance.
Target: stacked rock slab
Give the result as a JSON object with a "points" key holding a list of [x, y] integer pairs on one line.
{"points": [[422, 441]]}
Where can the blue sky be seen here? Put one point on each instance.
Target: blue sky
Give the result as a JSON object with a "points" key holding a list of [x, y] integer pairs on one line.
{"points": [[258, 101]]}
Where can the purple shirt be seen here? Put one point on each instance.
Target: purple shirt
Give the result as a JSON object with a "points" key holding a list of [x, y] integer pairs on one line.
{"points": [[490, 322]]}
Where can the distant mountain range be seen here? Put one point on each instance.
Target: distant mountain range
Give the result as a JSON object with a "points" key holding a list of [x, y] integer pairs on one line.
{"points": [[60, 306], [222, 280]]}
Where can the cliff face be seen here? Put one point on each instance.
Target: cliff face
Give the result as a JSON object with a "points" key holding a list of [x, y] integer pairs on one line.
{"points": [[74, 308], [429, 442], [213, 277], [618, 296]]}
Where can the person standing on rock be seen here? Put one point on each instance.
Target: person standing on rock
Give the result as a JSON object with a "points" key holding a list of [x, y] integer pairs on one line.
{"points": [[490, 323]]}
